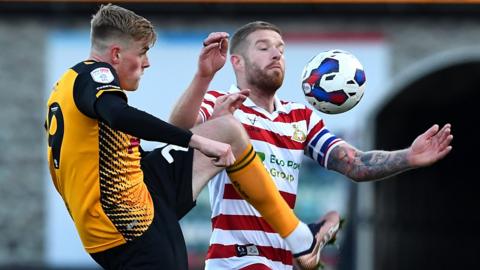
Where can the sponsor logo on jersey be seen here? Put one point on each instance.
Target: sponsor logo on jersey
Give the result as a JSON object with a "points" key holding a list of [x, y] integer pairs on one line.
{"points": [[102, 75]]}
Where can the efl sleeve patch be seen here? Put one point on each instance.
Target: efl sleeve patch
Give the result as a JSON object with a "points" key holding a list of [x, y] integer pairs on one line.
{"points": [[102, 75], [90, 84]]}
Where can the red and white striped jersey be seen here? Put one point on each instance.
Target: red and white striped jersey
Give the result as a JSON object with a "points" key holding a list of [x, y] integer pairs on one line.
{"points": [[241, 238]]}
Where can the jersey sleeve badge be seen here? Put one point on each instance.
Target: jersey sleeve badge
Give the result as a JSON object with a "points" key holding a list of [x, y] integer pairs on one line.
{"points": [[102, 75]]}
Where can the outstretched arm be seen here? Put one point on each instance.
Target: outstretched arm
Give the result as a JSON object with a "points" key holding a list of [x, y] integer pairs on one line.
{"points": [[425, 150], [212, 58]]}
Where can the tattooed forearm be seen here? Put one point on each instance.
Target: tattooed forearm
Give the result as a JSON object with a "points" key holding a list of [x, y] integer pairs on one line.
{"points": [[379, 164], [365, 166]]}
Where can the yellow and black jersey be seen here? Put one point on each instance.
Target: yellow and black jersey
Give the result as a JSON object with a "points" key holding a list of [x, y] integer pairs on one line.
{"points": [[95, 168]]}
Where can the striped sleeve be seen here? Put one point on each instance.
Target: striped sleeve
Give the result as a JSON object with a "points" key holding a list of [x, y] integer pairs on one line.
{"points": [[320, 141], [206, 109]]}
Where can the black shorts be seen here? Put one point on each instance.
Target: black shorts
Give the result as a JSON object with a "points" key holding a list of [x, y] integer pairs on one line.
{"points": [[162, 246]]}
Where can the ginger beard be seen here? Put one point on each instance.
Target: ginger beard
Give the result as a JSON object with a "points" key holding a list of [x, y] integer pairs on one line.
{"points": [[267, 79]]}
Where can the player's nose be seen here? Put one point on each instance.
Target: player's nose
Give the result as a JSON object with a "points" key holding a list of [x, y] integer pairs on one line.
{"points": [[146, 63], [276, 54]]}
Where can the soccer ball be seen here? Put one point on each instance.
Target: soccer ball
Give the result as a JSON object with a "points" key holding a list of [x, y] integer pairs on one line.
{"points": [[333, 81]]}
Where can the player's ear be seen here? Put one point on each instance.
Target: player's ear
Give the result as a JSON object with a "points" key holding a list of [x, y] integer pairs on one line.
{"points": [[115, 54], [237, 61]]}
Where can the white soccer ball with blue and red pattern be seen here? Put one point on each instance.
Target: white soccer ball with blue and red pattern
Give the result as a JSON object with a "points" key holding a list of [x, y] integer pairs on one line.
{"points": [[333, 81]]}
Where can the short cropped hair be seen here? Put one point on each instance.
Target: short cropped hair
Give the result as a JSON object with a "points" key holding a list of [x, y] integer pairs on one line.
{"points": [[238, 41], [114, 22]]}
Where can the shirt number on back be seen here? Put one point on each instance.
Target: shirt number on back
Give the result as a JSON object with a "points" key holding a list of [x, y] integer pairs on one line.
{"points": [[55, 132]]}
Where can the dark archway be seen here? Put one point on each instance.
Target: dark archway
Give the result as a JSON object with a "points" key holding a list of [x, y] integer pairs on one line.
{"points": [[427, 218]]}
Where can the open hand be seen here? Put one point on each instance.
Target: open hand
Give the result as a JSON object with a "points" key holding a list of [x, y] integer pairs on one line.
{"points": [[227, 104], [431, 146], [214, 54]]}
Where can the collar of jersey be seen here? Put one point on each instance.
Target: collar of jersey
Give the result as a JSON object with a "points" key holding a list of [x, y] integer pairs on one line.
{"points": [[249, 103]]}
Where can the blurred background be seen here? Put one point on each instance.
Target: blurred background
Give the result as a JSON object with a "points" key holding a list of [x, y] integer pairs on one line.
{"points": [[422, 62]]}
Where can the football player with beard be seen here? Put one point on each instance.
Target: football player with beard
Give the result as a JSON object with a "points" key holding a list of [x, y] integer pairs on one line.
{"points": [[281, 133]]}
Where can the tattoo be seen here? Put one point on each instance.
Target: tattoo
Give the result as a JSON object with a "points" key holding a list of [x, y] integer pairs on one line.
{"points": [[365, 166]]}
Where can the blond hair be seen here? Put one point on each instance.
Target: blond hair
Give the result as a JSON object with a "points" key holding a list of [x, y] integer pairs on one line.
{"points": [[112, 22]]}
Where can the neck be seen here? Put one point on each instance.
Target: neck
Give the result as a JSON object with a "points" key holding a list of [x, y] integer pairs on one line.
{"points": [[97, 57], [262, 99]]}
